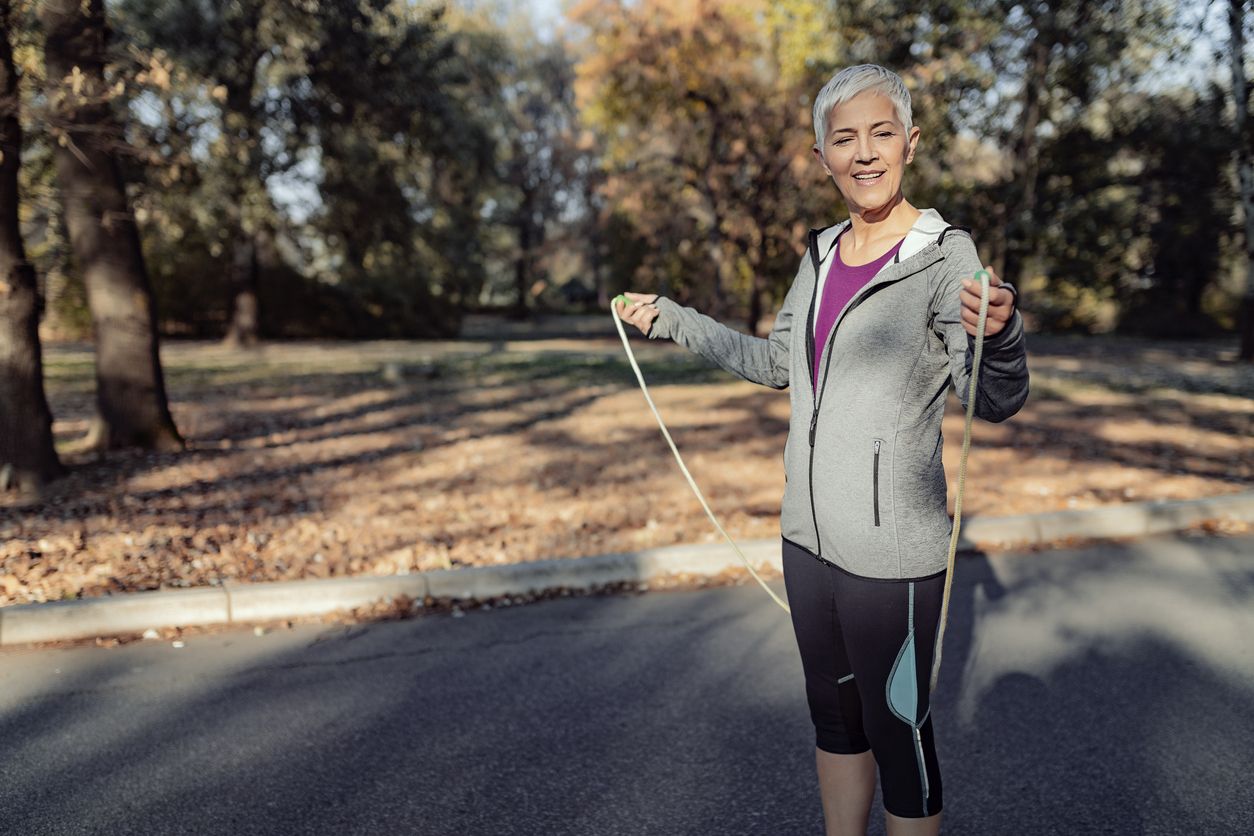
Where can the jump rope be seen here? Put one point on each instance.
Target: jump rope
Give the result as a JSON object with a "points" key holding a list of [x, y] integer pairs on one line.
{"points": [[983, 277]]}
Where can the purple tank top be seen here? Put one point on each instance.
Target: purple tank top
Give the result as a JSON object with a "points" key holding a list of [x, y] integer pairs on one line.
{"points": [[843, 283]]}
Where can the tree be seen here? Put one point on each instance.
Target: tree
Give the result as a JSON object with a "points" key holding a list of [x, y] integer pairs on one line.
{"points": [[1136, 207], [237, 72], [239, 50], [536, 152], [1245, 172], [130, 388], [1042, 50], [1014, 73], [362, 103], [405, 158], [704, 113], [28, 459]]}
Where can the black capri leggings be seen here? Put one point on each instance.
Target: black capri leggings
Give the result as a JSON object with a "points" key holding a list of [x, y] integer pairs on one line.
{"points": [[866, 647]]}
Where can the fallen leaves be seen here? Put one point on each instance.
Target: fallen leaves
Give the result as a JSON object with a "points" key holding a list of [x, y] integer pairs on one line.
{"points": [[307, 464]]}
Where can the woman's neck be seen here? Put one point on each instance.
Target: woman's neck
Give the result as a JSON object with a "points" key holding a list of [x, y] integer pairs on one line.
{"points": [[889, 222]]}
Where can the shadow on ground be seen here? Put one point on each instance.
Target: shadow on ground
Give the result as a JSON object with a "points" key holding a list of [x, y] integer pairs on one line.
{"points": [[1092, 692]]}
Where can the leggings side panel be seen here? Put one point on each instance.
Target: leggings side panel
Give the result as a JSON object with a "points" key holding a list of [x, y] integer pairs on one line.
{"points": [[890, 632]]}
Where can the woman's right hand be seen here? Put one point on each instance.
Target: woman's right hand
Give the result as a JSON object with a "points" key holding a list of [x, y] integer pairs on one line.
{"points": [[640, 312]]}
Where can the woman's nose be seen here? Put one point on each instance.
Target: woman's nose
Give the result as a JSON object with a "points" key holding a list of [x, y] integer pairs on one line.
{"points": [[865, 151]]}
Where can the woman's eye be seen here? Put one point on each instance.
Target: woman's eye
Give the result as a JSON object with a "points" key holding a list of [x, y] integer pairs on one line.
{"points": [[844, 141], [884, 134]]}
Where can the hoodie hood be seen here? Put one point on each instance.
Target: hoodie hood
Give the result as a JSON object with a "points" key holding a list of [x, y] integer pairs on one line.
{"points": [[927, 228]]}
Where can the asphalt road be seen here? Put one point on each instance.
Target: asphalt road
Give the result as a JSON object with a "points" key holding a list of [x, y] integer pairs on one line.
{"points": [[1107, 690]]}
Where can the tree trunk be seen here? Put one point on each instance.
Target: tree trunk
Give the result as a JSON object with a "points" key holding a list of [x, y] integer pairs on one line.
{"points": [[130, 389], [1019, 238], [244, 330], [595, 241], [757, 258], [755, 304], [596, 266], [522, 265], [1236, 21], [28, 459], [239, 124]]}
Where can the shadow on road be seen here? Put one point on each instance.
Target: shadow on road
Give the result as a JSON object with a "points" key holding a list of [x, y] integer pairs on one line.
{"points": [[1104, 691]]}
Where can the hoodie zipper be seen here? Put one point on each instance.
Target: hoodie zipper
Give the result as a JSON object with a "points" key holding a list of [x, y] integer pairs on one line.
{"points": [[820, 385], [814, 416]]}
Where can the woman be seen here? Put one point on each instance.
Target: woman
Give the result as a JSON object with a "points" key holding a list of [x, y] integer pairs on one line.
{"points": [[879, 320]]}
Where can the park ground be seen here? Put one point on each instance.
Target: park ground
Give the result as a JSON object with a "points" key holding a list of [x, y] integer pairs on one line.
{"points": [[519, 443]]}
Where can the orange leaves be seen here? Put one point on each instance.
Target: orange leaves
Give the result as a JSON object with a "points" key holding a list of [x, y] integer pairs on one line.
{"points": [[705, 144], [158, 71]]}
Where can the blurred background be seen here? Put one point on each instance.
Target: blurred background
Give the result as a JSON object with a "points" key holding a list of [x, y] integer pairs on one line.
{"points": [[393, 166], [329, 280]]}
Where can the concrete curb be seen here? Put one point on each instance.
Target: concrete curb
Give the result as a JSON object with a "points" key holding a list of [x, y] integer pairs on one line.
{"points": [[240, 603], [1133, 519]]}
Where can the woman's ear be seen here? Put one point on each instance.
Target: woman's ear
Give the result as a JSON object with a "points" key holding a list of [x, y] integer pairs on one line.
{"points": [[818, 155], [911, 143]]}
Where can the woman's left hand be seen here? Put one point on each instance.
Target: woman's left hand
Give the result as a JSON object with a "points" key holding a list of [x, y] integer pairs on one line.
{"points": [[1001, 304]]}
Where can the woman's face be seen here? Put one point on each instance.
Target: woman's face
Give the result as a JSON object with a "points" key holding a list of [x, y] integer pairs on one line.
{"points": [[866, 151]]}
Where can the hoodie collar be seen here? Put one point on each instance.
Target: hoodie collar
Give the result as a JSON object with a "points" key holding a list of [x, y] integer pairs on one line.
{"points": [[927, 228]]}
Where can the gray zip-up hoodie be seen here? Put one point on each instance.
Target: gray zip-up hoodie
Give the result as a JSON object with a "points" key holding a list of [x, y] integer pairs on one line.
{"points": [[864, 483]]}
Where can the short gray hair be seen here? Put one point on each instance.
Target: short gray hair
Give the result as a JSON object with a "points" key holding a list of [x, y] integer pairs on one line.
{"points": [[851, 81]]}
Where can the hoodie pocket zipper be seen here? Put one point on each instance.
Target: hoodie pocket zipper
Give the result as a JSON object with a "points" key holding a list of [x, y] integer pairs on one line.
{"points": [[875, 481]]}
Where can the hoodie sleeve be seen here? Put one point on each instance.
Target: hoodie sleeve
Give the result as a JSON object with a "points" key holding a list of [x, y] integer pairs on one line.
{"points": [[756, 359], [1003, 385]]}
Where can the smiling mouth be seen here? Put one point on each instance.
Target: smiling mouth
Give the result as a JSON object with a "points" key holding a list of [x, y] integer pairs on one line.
{"points": [[868, 176]]}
